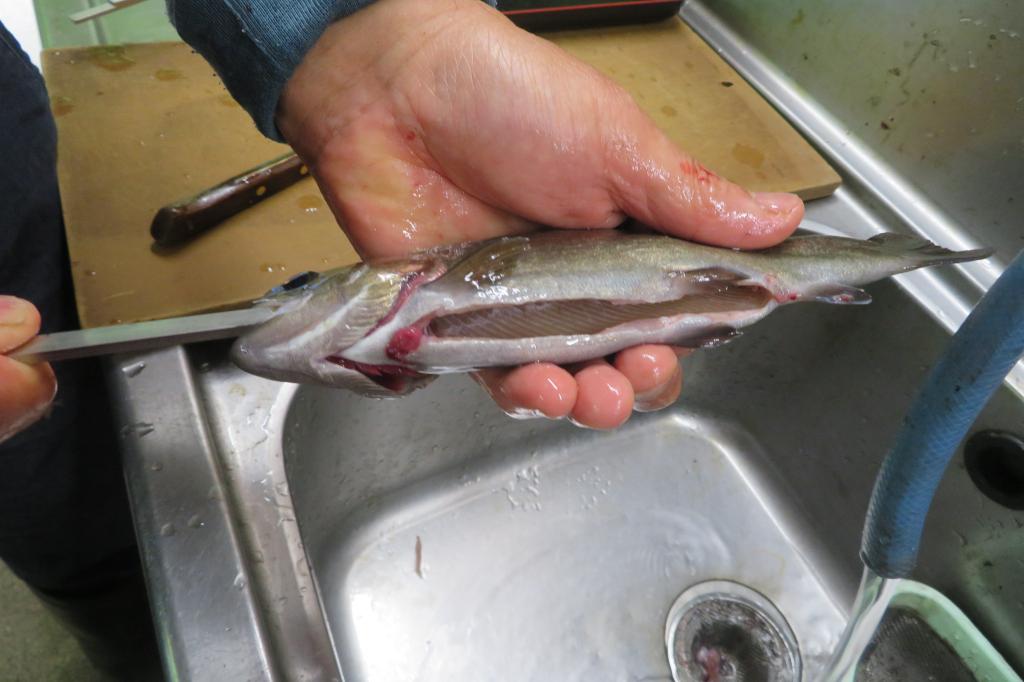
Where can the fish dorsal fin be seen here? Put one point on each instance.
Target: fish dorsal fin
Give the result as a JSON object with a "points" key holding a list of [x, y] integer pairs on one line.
{"points": [[839, 294], [905, 242], [490, 263]]}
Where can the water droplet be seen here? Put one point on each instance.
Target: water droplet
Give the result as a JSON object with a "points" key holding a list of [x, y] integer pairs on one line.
{"points": [[310, 203], [167, 530], [195, 522], [156, 466], [240, 582], [134, 369]]}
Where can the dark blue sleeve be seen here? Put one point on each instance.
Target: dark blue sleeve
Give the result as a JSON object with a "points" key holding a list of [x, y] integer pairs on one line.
{"points": [[255, 45]]}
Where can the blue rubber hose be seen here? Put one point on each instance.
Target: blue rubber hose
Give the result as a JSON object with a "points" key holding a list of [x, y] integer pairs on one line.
{"points": [[979, 356]]}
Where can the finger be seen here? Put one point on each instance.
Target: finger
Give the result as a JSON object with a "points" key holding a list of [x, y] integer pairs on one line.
{"points": [[25, 393], [535, 390], [654, 181], [19, 322], [662, 396], [654, 373], [647, 367], [604, 398]]}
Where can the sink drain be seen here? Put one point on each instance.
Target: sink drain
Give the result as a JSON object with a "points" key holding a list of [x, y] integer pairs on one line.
{"points": [[722, 631]]}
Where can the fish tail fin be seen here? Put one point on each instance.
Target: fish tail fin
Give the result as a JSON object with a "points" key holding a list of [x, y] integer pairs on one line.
{"points": [[924, 252]]}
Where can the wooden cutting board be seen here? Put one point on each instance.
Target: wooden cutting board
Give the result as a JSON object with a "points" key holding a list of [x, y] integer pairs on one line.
{"points": [[141, 126]]}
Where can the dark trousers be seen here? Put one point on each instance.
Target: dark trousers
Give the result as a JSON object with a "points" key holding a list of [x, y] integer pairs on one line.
{"points": [[63, 509], [65, 526]]}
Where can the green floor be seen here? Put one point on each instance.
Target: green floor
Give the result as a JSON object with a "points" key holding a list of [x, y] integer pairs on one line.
{"points": [[33, 646]]}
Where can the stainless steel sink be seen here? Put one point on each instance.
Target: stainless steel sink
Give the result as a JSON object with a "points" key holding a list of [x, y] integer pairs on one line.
{"points": [[451, 543], [307, 534]]}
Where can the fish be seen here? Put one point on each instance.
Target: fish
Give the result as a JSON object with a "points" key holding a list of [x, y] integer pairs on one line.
{"points": [[388, 327]]}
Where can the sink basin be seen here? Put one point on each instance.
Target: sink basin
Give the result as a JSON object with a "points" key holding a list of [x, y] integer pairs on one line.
{"points": [[301, 533], [451, 543]]}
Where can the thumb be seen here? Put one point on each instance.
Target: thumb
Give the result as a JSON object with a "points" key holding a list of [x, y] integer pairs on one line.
{"points": [[25, 391], [655, 182], [19, 322]]}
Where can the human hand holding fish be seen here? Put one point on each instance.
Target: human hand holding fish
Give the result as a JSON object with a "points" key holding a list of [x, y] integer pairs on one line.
{"points": [[438, 121]]}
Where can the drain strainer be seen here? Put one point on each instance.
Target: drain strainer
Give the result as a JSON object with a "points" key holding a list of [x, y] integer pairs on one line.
{"points": [[722, 631]]}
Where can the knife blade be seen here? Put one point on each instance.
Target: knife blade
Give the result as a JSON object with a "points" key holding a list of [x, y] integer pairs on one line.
{"points": [[140, 336]]}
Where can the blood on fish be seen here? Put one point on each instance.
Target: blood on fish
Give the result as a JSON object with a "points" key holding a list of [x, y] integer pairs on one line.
{"points": [[372, 370], [410, 136], [404, 341], [391, 377]]}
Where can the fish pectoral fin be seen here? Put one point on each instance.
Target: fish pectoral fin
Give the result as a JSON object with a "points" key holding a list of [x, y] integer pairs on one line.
{"points": [[714, 274], [840, 294]]}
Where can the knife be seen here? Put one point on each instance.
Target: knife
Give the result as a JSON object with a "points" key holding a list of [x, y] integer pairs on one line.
{"points": [[140, 336]]}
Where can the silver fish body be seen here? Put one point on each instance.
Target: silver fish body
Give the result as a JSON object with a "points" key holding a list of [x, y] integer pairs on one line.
{"points": [[563, 296]]}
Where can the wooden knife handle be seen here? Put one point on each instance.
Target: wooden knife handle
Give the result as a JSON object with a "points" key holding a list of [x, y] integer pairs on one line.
{"points": [[179, 222]]}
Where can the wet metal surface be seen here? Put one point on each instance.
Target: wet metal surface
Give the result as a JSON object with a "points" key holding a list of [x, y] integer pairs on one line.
{"points": [[305, 534]]}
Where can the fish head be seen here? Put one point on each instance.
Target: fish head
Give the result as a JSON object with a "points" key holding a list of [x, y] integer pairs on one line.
{"points": [[312, 326]]}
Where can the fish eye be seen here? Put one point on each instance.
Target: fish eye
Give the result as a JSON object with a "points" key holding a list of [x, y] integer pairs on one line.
{"points": [[296, 282]]}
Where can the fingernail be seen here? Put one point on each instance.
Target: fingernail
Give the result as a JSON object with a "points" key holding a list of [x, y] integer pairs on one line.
{"points": [[524, 413], [776, 202], [660, 396], [13, 311]]}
